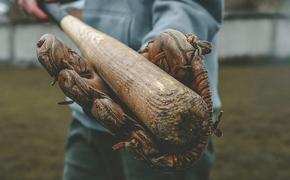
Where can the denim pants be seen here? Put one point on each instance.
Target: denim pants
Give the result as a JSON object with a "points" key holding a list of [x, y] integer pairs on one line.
{"points": [[89, 156]]}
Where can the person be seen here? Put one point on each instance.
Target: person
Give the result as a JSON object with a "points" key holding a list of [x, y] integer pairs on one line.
{"points": [[88, 153]]}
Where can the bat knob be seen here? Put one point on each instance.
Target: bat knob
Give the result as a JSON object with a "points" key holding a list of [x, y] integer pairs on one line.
{"points": [[53, 10]]}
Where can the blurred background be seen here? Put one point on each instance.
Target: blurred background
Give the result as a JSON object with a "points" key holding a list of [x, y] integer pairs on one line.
{"points": [[254, 48]]}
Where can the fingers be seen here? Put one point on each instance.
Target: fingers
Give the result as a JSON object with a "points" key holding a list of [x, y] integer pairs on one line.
{"points": [[31, 8]]}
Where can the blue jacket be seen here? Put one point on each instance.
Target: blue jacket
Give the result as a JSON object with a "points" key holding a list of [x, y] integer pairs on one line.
{"points": [[135, 22]]}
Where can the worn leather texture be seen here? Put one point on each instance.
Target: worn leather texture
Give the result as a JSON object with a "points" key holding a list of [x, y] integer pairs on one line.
{"points": [[181, 56]]}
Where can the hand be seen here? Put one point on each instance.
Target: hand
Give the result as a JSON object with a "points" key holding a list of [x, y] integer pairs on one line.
{"points": [[31, 8]]}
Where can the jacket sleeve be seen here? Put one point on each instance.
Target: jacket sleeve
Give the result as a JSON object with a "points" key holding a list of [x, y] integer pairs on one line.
{"points": [[201, 17]]}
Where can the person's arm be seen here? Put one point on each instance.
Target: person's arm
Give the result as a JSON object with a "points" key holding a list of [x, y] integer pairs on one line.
{"points": [[200, 17]]}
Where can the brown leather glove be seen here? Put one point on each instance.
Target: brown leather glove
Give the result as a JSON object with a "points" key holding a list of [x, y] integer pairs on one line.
{"points": [[179, 55]]}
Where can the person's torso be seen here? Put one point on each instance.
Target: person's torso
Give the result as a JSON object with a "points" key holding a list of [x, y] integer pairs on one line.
{"points": [[126, 20], [129, 21]]}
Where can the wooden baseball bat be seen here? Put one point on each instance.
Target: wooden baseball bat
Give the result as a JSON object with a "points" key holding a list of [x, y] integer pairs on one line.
{"points": [[166, 106]]}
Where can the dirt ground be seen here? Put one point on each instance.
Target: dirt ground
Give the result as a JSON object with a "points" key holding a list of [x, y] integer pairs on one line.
{"points": [[255, 145]]}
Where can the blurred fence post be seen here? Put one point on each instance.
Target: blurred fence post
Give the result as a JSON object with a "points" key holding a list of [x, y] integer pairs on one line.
{"points": [[12, 41], [5, 46]]}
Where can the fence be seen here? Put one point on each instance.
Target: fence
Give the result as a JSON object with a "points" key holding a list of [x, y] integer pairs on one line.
{"points": [[255, 35], [243, 34]]}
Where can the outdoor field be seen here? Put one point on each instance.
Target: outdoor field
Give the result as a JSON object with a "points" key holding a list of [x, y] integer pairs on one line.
{"points": [[256, 122]]}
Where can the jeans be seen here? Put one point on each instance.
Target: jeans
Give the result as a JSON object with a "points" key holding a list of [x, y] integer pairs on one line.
{"points": [[89, 156]]}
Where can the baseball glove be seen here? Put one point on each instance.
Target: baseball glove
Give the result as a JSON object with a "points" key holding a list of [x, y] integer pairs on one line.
{"points": [[179, 55]]}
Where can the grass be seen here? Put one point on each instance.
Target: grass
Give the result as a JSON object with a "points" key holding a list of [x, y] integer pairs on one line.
{"points": [[255, 145], [256, 142], [32, 126]]}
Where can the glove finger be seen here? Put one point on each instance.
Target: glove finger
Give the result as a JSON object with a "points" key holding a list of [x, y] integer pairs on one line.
{"points": [[55, 56], [171, 52], [96, 103]]}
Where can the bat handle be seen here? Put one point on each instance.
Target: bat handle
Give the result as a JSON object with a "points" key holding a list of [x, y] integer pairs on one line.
{"points": [[53, 10]]}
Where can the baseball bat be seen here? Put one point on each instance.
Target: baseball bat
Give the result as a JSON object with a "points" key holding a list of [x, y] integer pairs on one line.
{"points": [[166, 106]]}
